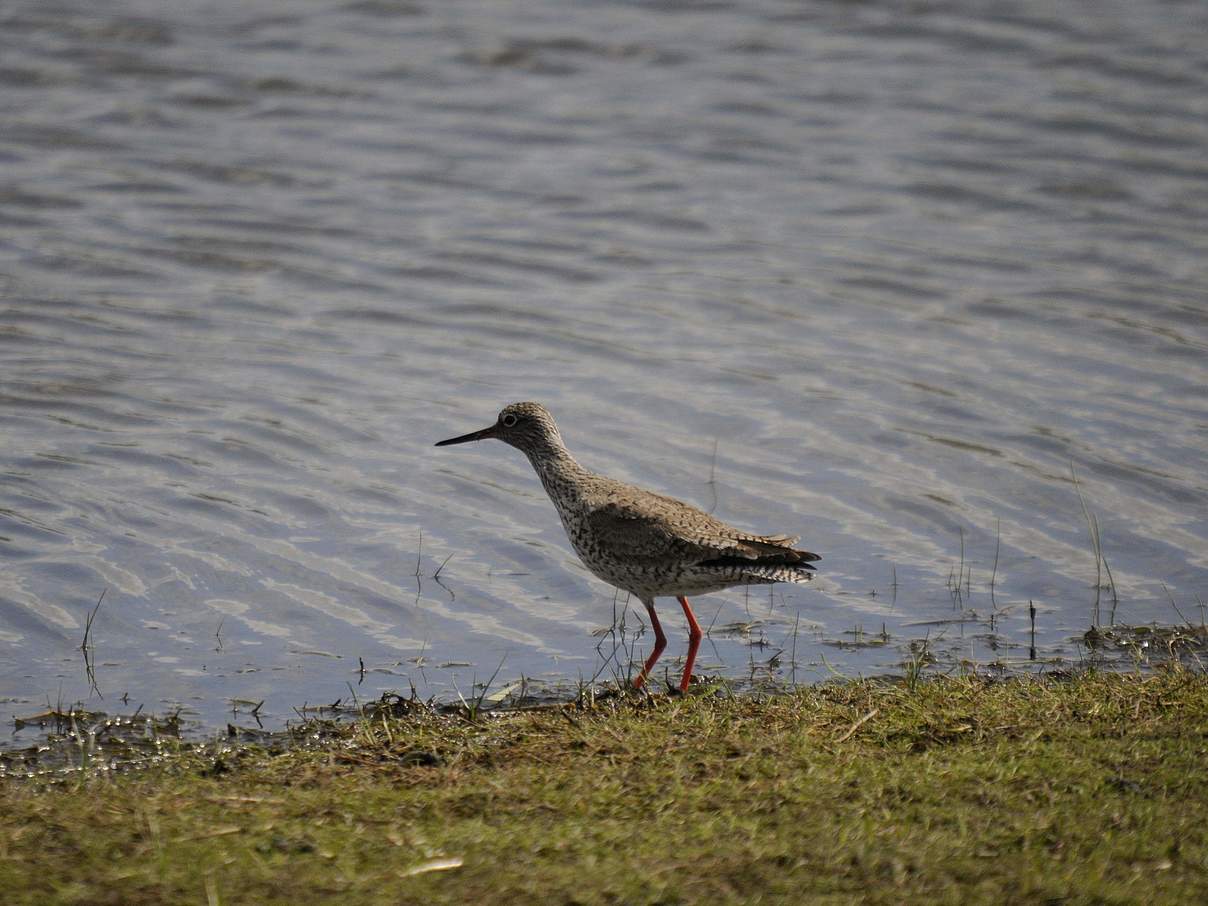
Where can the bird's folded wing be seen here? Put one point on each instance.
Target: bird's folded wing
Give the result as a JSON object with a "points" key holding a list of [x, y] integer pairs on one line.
{"points": [[675, 530]]}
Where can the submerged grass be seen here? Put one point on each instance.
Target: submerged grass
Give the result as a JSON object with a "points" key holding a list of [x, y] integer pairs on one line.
{"points": [[1091, 789]]}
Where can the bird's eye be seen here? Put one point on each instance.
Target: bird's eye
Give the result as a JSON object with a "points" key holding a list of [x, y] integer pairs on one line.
{"points": [[509, 421]]}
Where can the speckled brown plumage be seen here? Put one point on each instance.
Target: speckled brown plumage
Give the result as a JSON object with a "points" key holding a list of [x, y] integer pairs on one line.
{"points": [[644, 543]]}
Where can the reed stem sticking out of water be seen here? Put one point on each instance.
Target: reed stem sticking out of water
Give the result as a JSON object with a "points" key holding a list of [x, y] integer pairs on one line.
{"points": [[1101, 565], [86, 646], [994, 569]]}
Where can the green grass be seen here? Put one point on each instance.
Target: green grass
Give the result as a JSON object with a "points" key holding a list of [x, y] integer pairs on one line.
{"points": [[1091, 790]]}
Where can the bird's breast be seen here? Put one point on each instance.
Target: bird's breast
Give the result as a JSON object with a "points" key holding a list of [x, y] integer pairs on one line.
{"points": [[588, 547]]}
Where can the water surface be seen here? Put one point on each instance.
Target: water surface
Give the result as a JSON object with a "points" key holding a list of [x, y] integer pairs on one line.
{"points": [[879, 274]]}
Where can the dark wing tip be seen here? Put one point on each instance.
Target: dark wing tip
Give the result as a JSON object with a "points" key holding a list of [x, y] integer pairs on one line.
{"points": [[785, 559]]}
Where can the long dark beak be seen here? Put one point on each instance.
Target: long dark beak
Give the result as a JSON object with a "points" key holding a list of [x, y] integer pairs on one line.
{"points": [[473, 435]]}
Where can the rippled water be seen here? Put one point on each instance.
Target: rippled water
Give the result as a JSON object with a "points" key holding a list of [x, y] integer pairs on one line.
{"points": [[877, 273]]}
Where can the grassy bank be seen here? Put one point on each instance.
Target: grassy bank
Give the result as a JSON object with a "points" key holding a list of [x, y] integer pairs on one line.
{"points": [[1088, 790]]}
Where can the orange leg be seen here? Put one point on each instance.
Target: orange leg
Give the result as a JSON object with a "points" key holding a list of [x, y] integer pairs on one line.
{"points": [[660, 642], [694, 637]]}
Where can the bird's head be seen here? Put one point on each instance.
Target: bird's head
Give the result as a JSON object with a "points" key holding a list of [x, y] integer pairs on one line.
{"points": [[526, 426]]}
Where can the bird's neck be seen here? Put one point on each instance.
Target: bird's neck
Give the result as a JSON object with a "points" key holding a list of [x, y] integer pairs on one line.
{"points": [[559, 472]]}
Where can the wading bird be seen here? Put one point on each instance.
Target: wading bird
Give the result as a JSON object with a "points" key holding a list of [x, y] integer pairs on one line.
{"points": [[641, 542]]}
